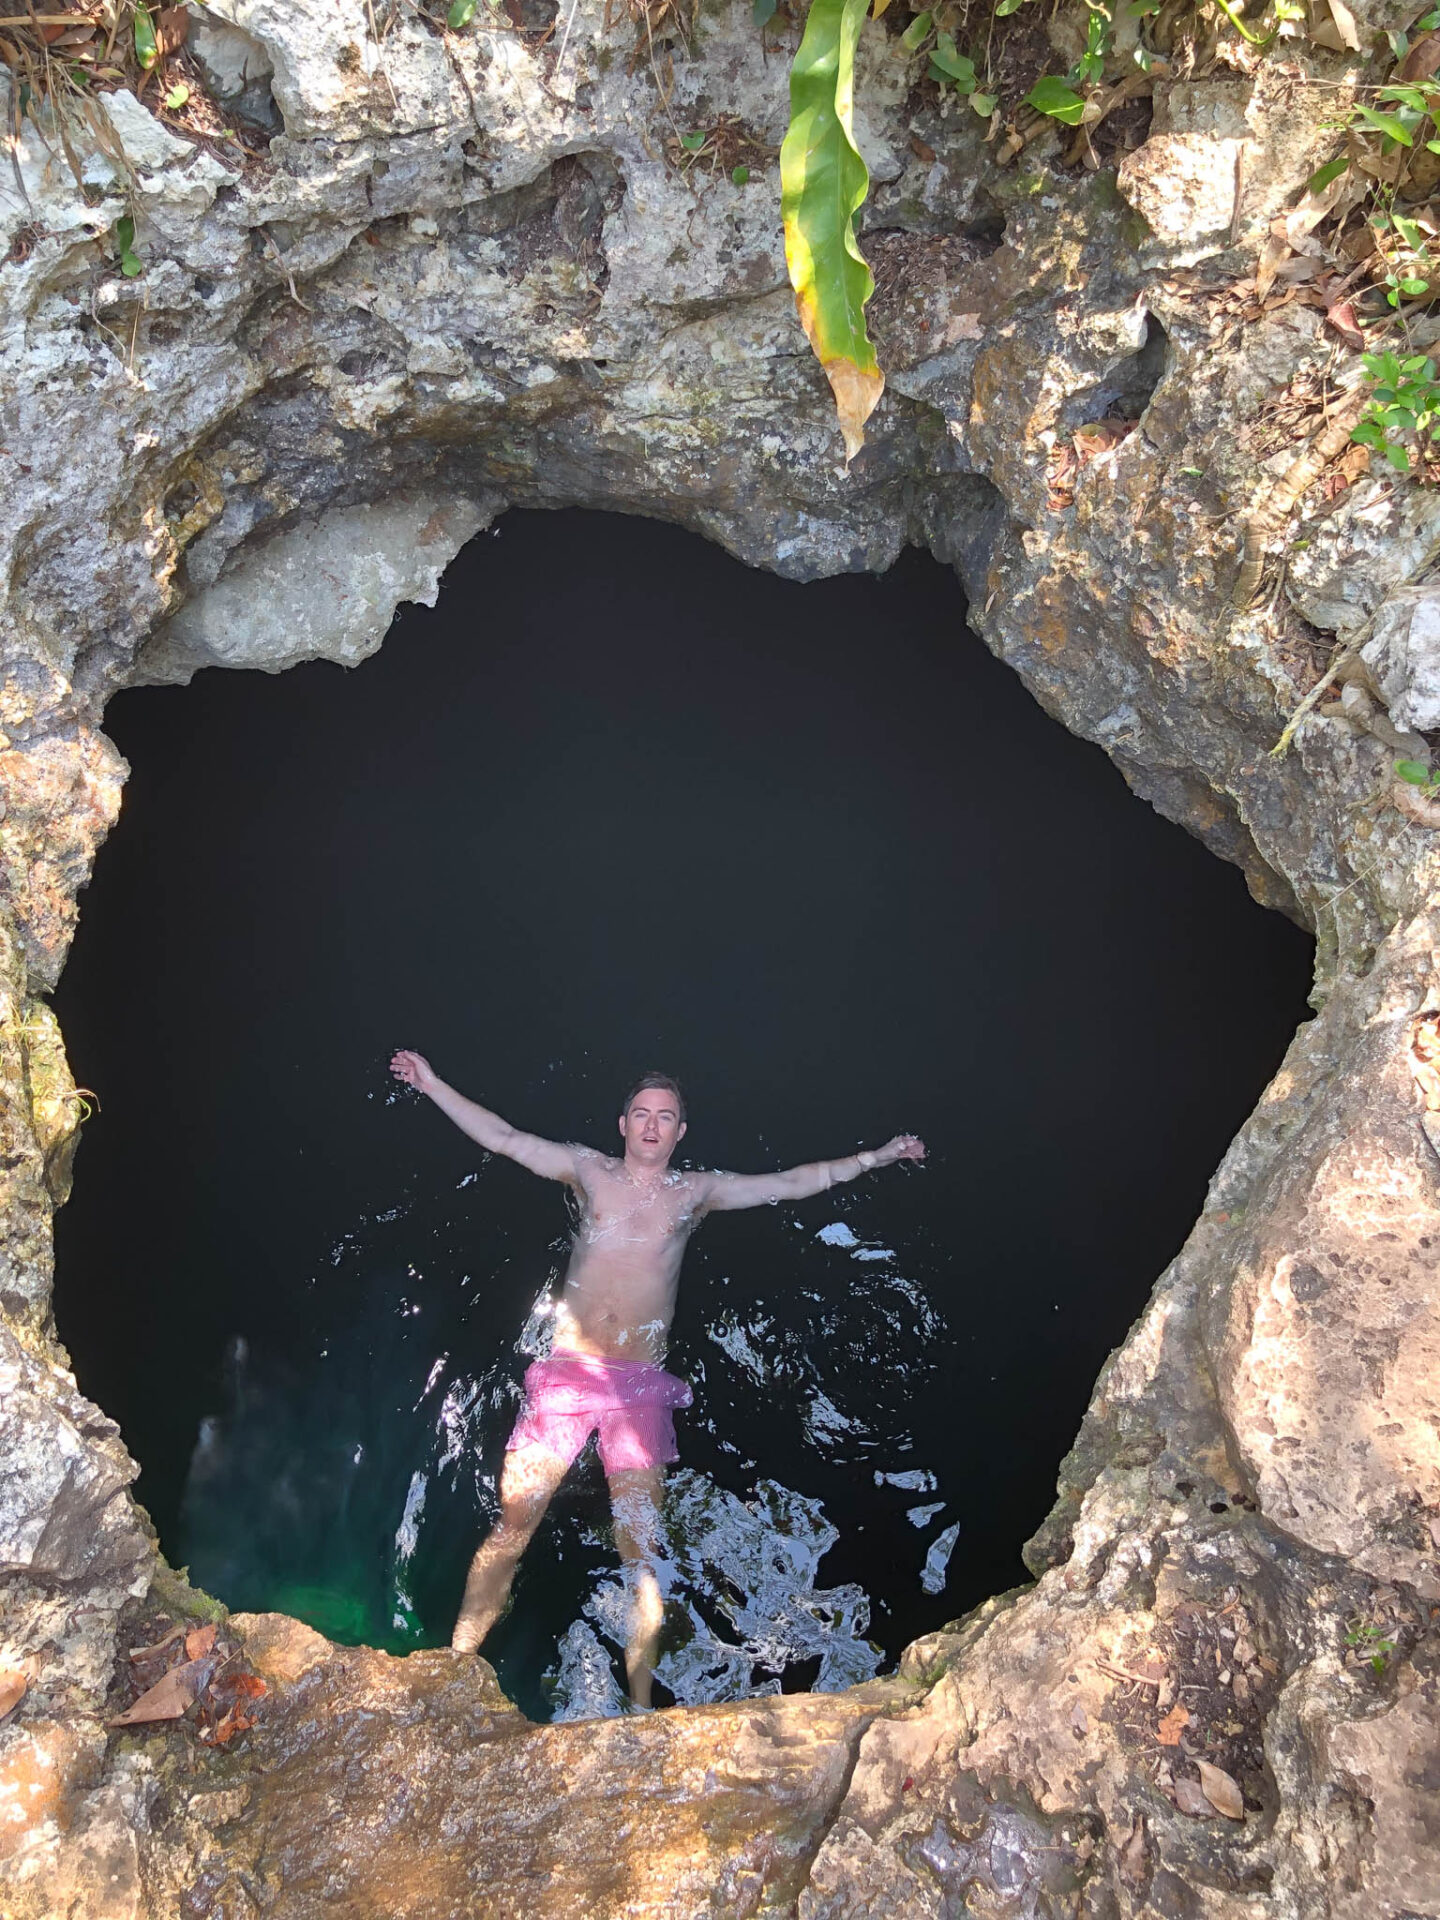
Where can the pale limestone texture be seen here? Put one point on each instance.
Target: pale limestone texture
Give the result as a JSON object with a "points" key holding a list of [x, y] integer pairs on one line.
{"points": [[468, 275]]}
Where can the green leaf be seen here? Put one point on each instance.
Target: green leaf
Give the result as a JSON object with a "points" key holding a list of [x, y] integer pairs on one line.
{"points": [[763, 11], [740, 175], [1410, 288], [177, 97], [952, 65], [1397, 456], [823, 182], [1415, 771], [461, 13], [147, 50], [1399, 45], [1052, 96], [130, 265], [1389, 124], [984, 103], [915, 34], [1331, 170], [1409, 232], [1006, 7], [693, 142]]}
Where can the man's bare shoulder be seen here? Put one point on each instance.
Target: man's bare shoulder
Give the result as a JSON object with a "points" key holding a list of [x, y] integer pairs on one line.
{"points": [[591, 1163]]}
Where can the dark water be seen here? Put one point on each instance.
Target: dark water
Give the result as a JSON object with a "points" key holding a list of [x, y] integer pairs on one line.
{"points": [[619, 803]]}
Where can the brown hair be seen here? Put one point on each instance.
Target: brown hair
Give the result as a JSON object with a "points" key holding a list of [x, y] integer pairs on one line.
{"points": [[662, 1083]]}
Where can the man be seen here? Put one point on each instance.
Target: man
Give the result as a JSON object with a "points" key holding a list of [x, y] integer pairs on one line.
{"points": [[611, 1321]]}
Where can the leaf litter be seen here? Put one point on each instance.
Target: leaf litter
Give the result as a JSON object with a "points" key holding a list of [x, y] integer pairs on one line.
{"points": [[191, 1668]]}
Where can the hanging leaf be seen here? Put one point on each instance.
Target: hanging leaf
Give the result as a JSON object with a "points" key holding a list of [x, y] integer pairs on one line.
{"points": [[823, 181], [147, 49], [1332, 170], [914, 35], [1052, 96]]}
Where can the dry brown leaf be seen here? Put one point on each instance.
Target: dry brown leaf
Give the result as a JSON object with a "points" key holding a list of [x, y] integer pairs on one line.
{"points": [[148, 1653], [172, 24], [1131, 1855], [1190, 1798], [1422, 59], [199, 1641], [1221, 1791], [1101, 436], [1342, 317], [1345, 24], [1168, 1731], [13, 1688], [169, 1698]]}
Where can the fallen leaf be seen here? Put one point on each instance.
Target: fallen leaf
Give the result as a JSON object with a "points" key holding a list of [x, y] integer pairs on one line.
{"points": [[1101, 436], [921, 151], [1131, 1855], [1422, 59], [1168, 1731], [199, 1641], [1345, 24], [1189, 1798], [1221, 1791], [169, 1698], [13, 1688], [172, 24], [1342, 318]]}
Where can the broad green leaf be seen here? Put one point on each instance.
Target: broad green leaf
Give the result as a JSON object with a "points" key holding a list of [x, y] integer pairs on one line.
{"points": [[984, 103], [1387, 123], [1007, 7], [147, 50], [177, 97], [951, 64], [693, 142], [461, 13], [740, 175], [763, 11], [1408, 231], [1397, 456], [1052, 96], [1415, 771], [823, 182], [1412, 97], [1412, 288], [1331, 170], [914, 35]]}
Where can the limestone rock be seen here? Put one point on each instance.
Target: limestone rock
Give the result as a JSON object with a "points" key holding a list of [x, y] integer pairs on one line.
{"points": [[325, 589], [1403, 655]]}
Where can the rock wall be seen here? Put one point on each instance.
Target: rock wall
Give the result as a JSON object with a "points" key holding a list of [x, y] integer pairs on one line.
{"points": [[469, 273]]}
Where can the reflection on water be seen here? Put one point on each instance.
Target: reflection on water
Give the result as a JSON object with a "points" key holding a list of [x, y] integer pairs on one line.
{"points": [[349, 1486]]}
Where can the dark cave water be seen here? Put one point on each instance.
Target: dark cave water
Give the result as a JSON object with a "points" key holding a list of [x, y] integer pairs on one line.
{"points": [[620, 803]]}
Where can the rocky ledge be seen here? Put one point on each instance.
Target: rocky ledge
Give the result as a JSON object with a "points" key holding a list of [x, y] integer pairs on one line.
{"points": [[469, 271]]}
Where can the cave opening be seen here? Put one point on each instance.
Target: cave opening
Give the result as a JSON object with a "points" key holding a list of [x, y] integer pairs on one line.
{"points": [[619, 802]]}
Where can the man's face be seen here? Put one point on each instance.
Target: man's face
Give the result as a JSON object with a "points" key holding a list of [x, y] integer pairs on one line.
{"points": [[652, 1127]]}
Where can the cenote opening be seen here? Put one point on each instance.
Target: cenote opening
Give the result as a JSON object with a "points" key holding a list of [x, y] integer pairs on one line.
{"points": [[618, 803]]}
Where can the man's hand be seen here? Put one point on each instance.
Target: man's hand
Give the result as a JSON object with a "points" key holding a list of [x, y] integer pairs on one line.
{"points": [[905, 1146], [415, 1070]]}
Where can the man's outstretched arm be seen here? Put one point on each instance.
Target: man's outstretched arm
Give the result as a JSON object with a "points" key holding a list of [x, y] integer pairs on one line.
{"points": [[549, 1158], [727, 1192]]}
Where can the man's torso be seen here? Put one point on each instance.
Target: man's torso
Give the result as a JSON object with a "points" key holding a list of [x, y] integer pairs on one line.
{"points": [[624, 1271]]}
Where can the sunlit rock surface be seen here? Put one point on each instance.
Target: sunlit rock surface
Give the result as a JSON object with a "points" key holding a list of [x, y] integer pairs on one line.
{"points": [[466, 275]]}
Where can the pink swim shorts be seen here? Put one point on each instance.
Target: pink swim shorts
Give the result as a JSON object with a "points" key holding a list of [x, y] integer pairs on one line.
{"points": [[631, 1402]]}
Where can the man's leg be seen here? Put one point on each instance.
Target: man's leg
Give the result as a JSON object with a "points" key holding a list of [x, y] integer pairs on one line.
{"points": [[527, 1486], [635, 1497]]}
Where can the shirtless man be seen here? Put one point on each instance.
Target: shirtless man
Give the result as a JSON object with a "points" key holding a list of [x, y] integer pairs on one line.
{"points": [[604, 1370]]}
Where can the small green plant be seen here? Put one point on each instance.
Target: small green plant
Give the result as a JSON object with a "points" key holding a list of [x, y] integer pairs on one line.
{"points": [[461, 13], [1404, 407], [123, 233], [1062, 99], [951, 68], [147, 47], [1416, 774], [1372, 1643]]}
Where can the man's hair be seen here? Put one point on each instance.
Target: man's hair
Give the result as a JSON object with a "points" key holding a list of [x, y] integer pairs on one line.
{"points": [[660, 1082]]}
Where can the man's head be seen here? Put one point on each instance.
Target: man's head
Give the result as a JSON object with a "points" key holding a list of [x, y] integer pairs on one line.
{"points": [[653, 1122]]}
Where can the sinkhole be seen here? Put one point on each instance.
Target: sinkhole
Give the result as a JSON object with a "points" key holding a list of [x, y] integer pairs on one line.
{"points": [[620, 803]]}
